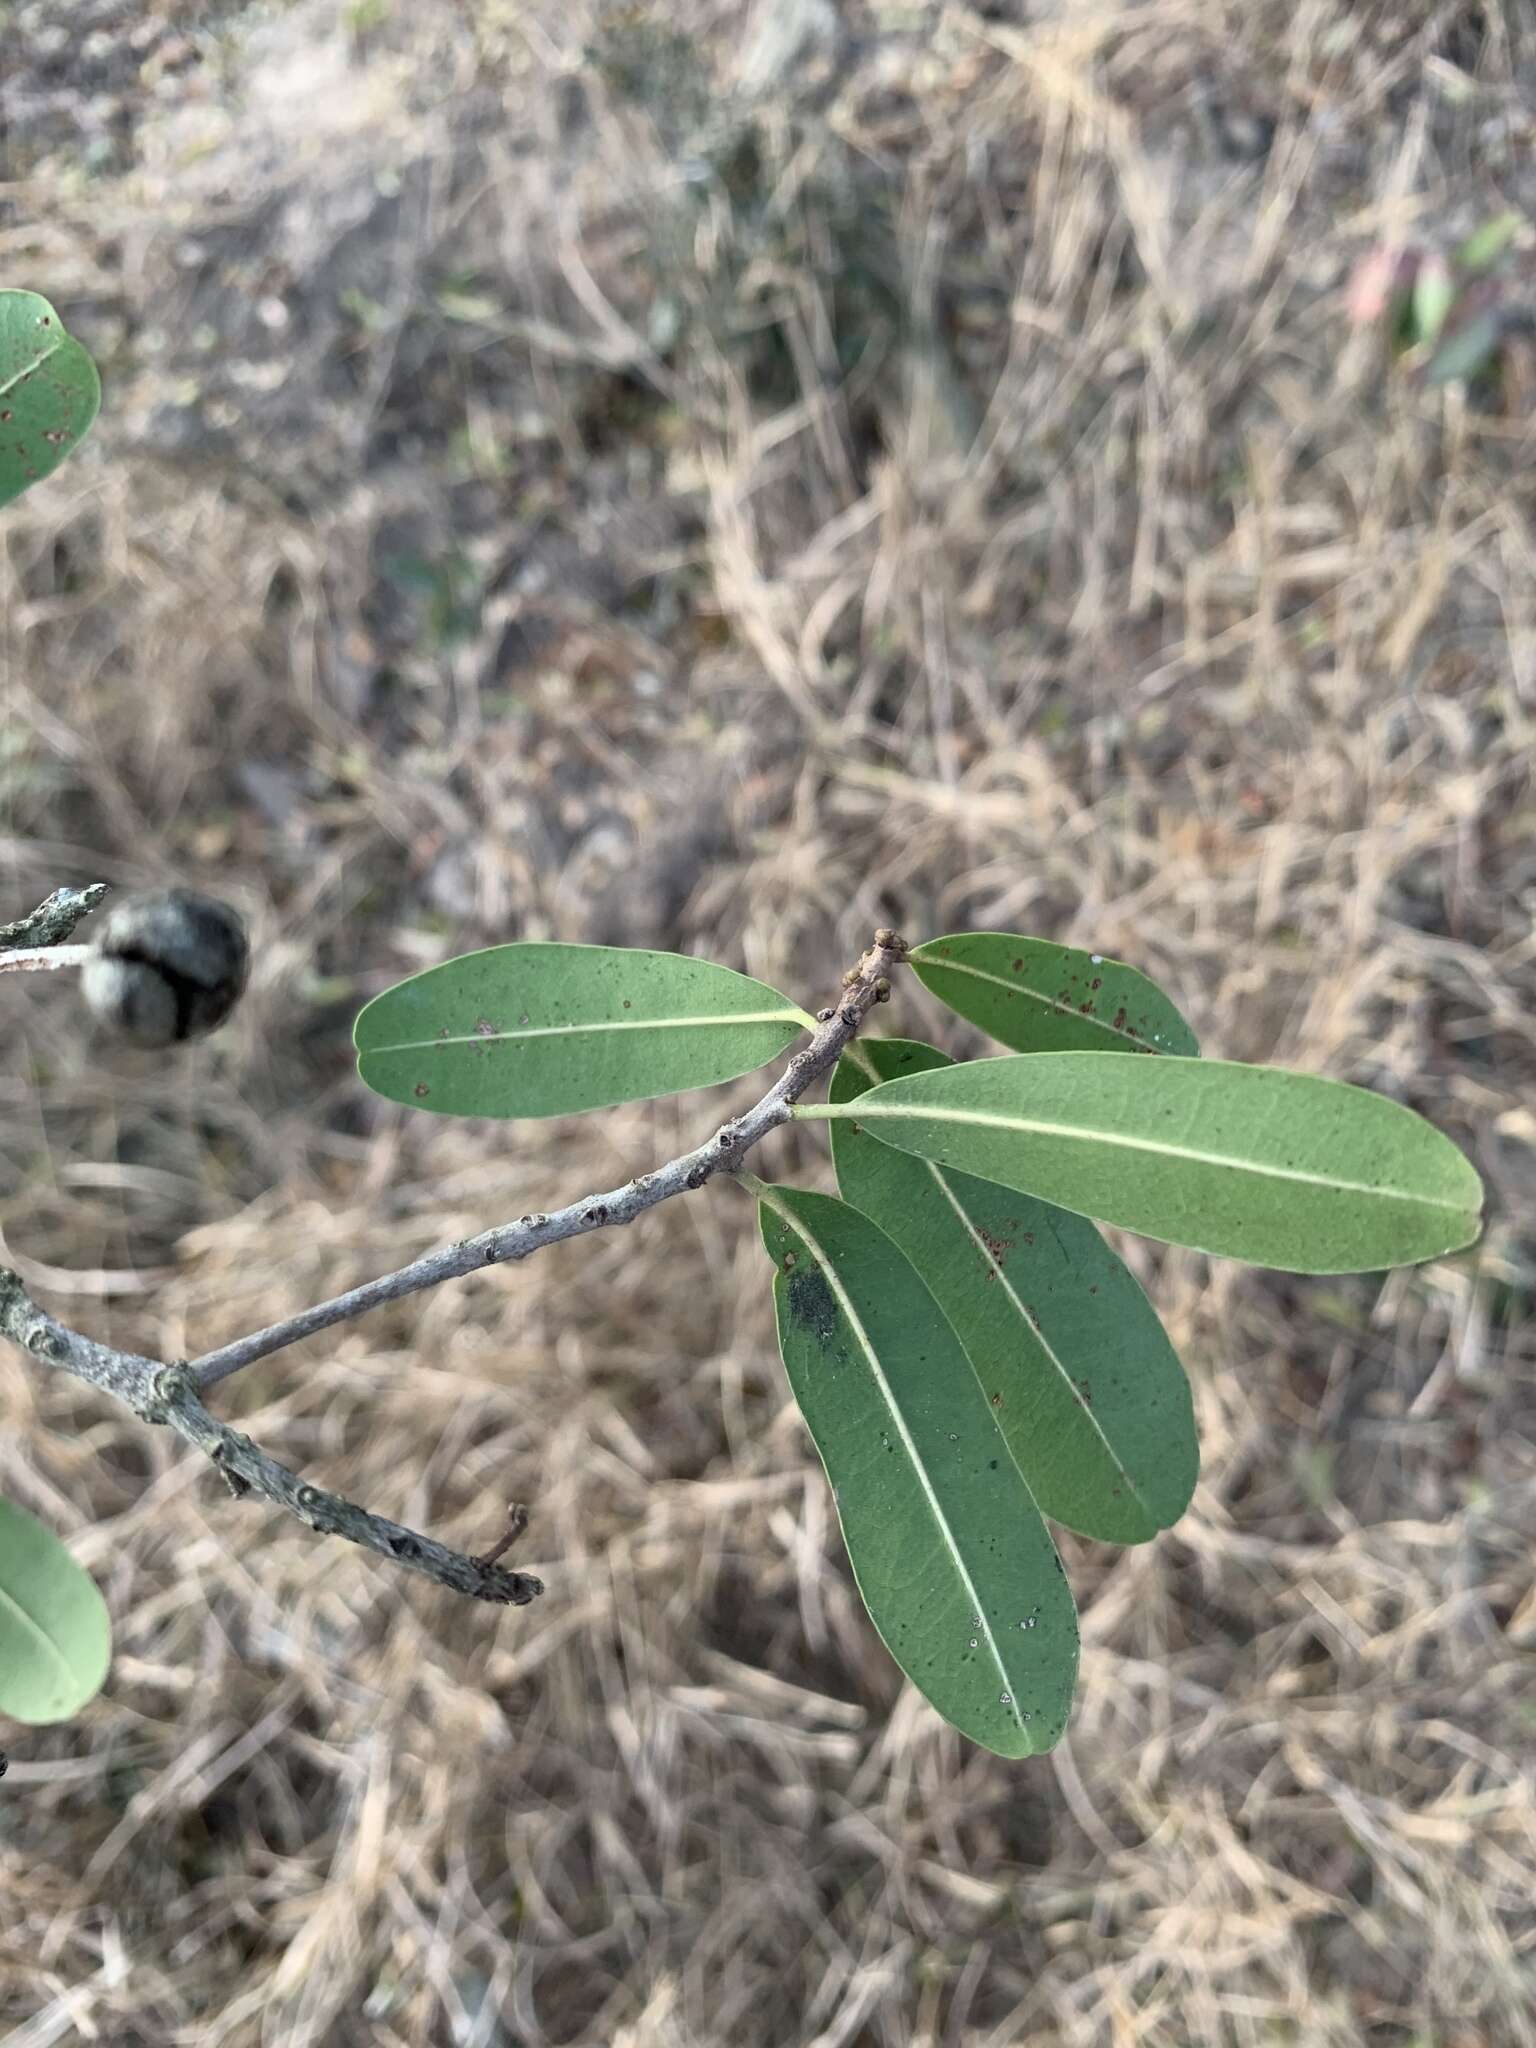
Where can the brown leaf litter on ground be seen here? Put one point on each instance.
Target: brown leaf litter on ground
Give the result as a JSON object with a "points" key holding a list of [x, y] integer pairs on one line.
{"points": [[728, 478]]}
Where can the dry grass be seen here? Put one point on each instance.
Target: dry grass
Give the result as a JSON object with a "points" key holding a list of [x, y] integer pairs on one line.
{"points": [[967, 508]]}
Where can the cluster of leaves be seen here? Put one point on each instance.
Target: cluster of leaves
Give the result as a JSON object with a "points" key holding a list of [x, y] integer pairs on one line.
{"points": [[969, 1354], [54, 1634], [1445, 317]]}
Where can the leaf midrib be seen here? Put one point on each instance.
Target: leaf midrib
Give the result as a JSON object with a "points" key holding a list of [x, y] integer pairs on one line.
{"points": [[1090, 1134], [845, 1302], [580, 1030], [34, 1628], [862, 1060], [31, 369], [1033, 995], [1039, 1336]]}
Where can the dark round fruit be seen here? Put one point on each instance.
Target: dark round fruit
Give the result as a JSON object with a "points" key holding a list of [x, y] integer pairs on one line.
{"points": [[169, 965]]}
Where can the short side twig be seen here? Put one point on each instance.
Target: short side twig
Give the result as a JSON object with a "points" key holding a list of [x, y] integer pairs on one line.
{"points": [[53, 920], [517, 1522], [42, 959], [168, 1394], [863, 987]]}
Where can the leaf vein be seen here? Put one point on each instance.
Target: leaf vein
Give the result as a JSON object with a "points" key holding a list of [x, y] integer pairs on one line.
{"points": [[1022, 988], [35, 1628], [990, 1120], [1038, 1334], [578, 1030], [29, 369]]}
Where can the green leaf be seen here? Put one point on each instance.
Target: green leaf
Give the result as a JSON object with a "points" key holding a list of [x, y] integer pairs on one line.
{"points": [[1434, 294], [1485, 245], [1251, 1163], [49, 392], [1081, 1377], [54, 1635], [537, 1029], [1033, 996], [952, 1559], [1467, 350]]}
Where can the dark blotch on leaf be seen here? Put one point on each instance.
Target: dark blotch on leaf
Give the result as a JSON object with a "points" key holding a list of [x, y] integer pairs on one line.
{"points": [[812, 1304]]}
